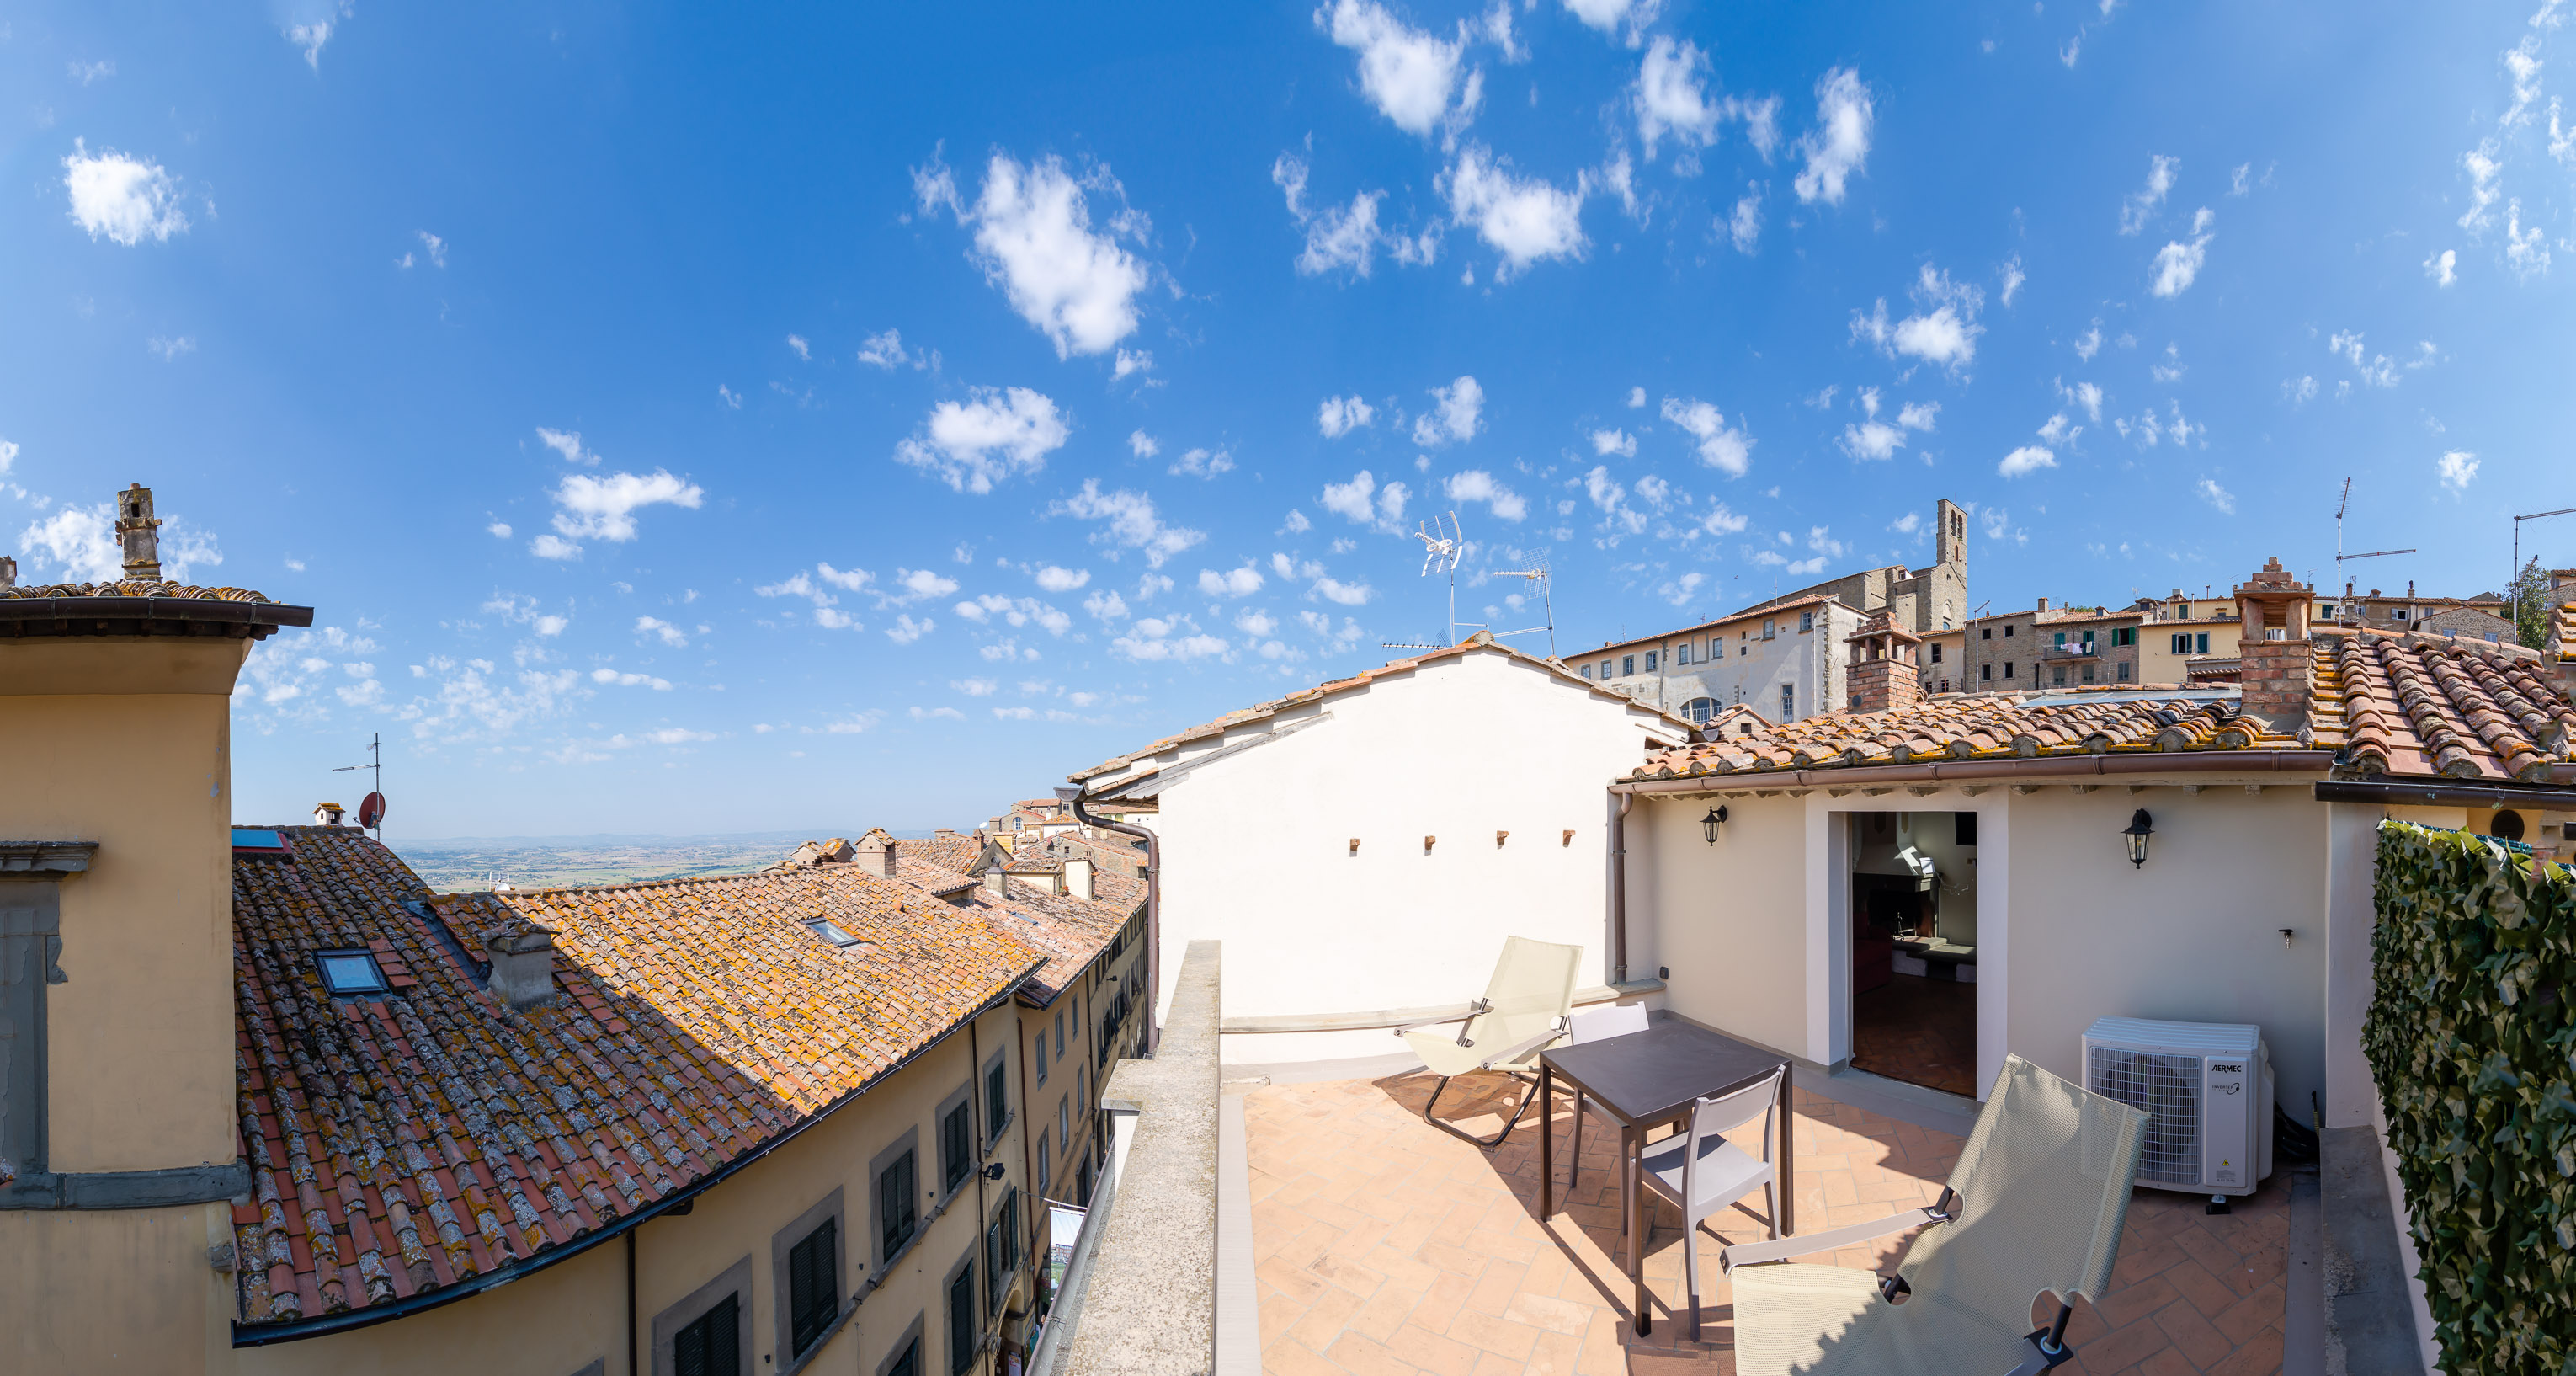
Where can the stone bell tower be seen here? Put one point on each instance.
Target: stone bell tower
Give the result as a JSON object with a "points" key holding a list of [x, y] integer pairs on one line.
{"points": [[138, 533]]}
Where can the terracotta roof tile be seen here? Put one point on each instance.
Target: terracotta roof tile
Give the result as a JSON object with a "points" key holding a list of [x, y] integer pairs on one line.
{"points": [[132, 588], [1974, 726], [419, 1139]]}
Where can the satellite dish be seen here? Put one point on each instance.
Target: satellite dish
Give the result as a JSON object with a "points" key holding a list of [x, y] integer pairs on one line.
{"points": [[371, 813]]}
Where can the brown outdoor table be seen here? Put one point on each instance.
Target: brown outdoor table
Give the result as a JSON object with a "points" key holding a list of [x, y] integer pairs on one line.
{"points": [[1651, 1077]]}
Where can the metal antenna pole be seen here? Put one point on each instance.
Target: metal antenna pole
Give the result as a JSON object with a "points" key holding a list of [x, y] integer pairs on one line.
{"points": [[376, 766]]}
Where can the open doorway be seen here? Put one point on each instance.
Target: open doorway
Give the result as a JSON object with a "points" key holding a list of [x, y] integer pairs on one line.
{"points": [[1914, 947]]}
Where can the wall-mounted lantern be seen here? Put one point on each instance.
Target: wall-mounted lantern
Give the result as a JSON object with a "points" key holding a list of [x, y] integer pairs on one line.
{"points": [[2141, 826], [1709, 824]]}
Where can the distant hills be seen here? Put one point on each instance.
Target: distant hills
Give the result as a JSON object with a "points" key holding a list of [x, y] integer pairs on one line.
{"points": [[457, 863]]}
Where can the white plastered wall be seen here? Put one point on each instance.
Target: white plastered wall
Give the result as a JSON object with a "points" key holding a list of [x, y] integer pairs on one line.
{"points": [[1256, 847]]}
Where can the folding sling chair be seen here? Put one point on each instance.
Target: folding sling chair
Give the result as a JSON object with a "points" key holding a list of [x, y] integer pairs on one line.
{"points": [[2036, 1205], [1524, 1010]]}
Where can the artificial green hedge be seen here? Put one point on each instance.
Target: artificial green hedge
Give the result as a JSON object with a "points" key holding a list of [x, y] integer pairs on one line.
{"points": [[2471, 1037]]}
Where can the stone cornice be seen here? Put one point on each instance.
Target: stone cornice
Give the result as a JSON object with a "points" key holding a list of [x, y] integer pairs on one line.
{"points": [[45, 857]]}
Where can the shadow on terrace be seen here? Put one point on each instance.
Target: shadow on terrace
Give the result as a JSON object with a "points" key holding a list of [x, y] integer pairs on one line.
{"points": [[1384, 1245]]}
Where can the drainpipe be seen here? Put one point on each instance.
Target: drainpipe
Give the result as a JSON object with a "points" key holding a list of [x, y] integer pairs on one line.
{"points": [[630, 1303], [1153, 905], [984, 1142], [1619, 889], [1029, 1110]]}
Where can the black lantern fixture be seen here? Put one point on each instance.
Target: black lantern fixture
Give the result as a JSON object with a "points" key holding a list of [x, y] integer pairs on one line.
{"points": [[2141, 826], [1709, 824]]}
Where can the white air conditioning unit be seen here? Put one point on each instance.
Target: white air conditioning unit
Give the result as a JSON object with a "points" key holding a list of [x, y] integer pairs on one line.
{"points": [[2208, 1086]]}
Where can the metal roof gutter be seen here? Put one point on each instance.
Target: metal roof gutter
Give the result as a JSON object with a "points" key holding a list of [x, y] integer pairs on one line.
{"points": [[264, 1334], [2414, 792], [1985, 771]]}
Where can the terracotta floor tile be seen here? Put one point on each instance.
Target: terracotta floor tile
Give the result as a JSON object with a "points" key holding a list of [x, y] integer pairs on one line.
{"points": [[1366, 1356], [1431, 1352], [2254, 1313]]}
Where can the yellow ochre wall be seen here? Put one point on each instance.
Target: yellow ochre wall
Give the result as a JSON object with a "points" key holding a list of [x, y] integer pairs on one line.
{"points": [[124, 741]]}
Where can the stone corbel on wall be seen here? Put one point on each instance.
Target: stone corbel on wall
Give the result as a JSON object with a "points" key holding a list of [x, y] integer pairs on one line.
{"points": [[45, 859]]}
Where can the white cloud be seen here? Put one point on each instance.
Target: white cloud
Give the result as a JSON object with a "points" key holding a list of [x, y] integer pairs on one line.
{"points": [[1137, 361], [669, 634], [1202, 463], [2013, 279], [917, 584], [1240, 582], [1722, 520], [2443, 267], [803, 350], [613, 678], [170, 349], [1744, 224], [1636, 398], [1457, 413], [1476, 485], [2523, 248], [1336, 236], [2178, 263], [1608, 15], [1872, 439], [2089, 343], [1669, 99], [8, 455], [976, 687], [1339, 416], [318, 20], [1946, 334], [1296, 524], [2299, 390], [1523, 219], [1680, 591], [1055, 579], [604, 508], [1362, 500], [1144, 446], [1727, 450], [1034, 239], [996, 432], [2217, 496], [2162, 172], [1131, 521], [1106, 605], [886, 351], [1614, 441], [905, 630], [2030, 458], [122, 199], [1907, 524], [2457, 468], [932, 713], [1161, 639], [731, 398], [2084, 394], [1839, 144], [553, 547], [2484, 168], [1347, 594], [568, 444], [1410, 76]]}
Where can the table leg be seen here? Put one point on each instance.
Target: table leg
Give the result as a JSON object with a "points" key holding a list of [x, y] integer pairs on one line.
{"points": [[1633, 1185], [1546, 1142], [1788, 1156]]}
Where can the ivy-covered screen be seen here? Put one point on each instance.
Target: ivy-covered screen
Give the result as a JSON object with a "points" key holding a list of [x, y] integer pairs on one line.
{"points": [[2471, 1040]]}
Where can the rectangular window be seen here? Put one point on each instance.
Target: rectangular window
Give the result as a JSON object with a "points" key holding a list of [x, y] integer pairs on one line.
{"points": [[2182, 642], [1650, 661], [2058, 677], [1806, 622], [348, 974], [30, 923], [1040, 1166], [1985, 633], [1936, 653], [1716, 647], [2123, 671], [997, 1100], [813, 1285], [1059, 1036], [2200, 643], [908, 1361], [1001, 1251], [1064, 1119], [1788, 701], [1627, 665], [1605, 668], [898, 1205], [2123, 635], [2008, 632], [2061, 637], [1587, 671], [961, 1318], [1681, 653], [711, 1345], [1041, 1058], [2088, 673], [2007, 668], [956, 1144], [1986, 671]]}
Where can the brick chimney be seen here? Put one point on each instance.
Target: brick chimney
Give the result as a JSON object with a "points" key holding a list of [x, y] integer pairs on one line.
{"points": [[1885, 674], [876, 853], [136, 532], [2272, 635], [523, 967]]}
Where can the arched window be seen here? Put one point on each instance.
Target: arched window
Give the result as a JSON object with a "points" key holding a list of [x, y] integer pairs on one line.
{"points": [[1699, 710]]}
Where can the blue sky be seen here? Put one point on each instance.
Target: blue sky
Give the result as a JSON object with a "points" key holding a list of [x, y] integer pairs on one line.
{"points": [[693, 420]]}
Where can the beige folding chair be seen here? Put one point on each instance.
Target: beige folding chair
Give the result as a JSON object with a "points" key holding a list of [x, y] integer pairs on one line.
{"points": [[1524, 1009], [2035, 1206]]}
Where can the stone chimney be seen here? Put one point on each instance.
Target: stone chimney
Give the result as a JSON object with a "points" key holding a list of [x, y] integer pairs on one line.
{"points": [[1884, 672], [8, 572], [2272, 635], [1077, 878], [327, 814], [876, 853], [523, 967], [136, 531], [997, 882]]}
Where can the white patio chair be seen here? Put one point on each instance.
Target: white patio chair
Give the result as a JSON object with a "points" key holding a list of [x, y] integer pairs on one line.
{"points": [[1592, 1025], [2036, 1206], [1702, 1172], [1524, 1010]]}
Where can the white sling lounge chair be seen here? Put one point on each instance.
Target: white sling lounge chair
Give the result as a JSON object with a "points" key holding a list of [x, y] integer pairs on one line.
{"points": [[2036, 1204], [1524, 1010]]}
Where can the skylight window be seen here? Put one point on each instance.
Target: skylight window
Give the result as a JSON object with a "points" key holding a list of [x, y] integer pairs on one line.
{"points": [[350, 973], [830, 931]]}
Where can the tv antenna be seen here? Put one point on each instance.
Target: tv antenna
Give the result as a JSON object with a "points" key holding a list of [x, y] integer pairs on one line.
{"points": [[1442, 546], [2342, 588], [1540, 577], [371, 812]]}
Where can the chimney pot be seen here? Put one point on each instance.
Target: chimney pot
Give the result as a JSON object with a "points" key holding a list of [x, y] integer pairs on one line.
{"points": [[523, 967], [136, 533], [8, 572], [327, 814]]}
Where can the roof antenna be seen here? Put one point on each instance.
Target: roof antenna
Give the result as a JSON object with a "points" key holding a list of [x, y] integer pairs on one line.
{"points": [[2343, 606], [371, 811], [1540, 575], [1441, 549]]}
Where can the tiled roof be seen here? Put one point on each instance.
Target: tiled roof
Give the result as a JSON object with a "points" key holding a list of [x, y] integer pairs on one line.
{"points": [[1789, 603], [2392, 703], [1481, 640], [421, 1140], [957, 853], [1976, 726], [133, 588], [2414, 704], [1069, 931]]}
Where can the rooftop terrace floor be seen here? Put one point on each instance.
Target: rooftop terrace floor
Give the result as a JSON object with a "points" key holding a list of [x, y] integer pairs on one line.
{"points": [[1385, 1246]]}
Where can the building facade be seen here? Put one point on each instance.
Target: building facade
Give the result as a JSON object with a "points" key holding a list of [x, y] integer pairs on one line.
{"points": [[2051, 647]]}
